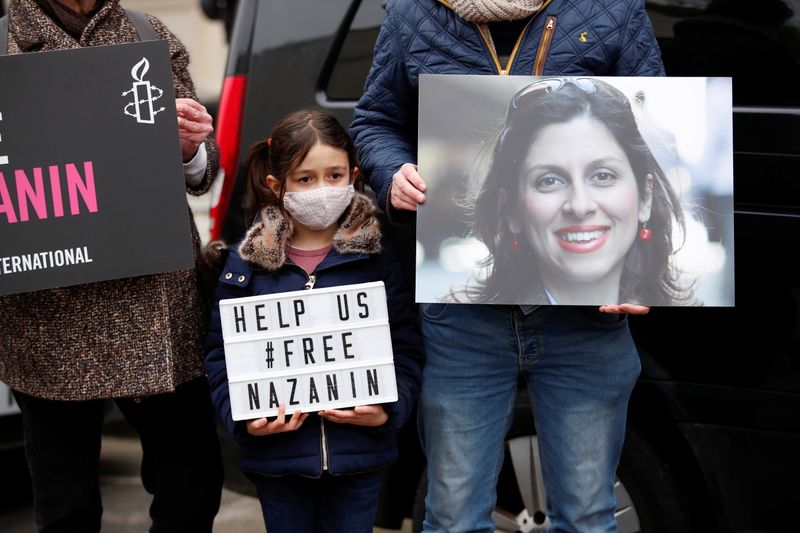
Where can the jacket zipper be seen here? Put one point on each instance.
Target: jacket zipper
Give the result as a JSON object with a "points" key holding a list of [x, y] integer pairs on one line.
{"points": [[324, 444], [493, 52], [544, 46], [312, 279], [310, 282], [487, 40]]}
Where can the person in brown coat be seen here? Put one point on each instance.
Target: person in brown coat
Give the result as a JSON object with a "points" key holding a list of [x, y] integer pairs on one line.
{"points": [[137, 340]]}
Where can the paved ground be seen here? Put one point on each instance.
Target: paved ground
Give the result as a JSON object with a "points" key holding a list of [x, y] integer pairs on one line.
{"points": [[125, 501]]}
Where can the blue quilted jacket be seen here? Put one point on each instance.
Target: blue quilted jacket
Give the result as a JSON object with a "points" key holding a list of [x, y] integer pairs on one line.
{"points": [[566, 38]]}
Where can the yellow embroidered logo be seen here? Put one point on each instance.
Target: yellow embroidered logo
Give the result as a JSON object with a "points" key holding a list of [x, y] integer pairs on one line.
{"points": [[582, 38]]}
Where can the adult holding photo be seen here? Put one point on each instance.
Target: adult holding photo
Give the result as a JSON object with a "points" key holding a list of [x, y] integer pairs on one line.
{"points": [[137, 340], [580, 363]]}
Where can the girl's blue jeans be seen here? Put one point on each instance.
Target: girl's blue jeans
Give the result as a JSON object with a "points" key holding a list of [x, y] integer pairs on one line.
{"points": [[329, 504], [579, 365]]}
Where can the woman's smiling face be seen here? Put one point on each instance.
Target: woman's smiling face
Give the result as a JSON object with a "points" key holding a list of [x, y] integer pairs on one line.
{"points": [[579, 203]]}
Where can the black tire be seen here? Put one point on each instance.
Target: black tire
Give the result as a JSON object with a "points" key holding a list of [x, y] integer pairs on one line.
{"points": [[661, 501]]}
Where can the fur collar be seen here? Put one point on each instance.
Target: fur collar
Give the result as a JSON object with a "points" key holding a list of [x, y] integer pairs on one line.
{"points": [[266, 241]]}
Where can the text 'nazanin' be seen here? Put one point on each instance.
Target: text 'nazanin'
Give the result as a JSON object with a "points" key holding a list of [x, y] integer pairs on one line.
{"points": [[37, 198]]}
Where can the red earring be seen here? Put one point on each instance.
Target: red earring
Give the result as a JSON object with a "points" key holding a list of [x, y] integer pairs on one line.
{"points": [[645, 233], [513, 244]]}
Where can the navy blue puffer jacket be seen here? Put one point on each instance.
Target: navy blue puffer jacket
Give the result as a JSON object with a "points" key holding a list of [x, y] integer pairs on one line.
{"points": [[566, 38], [355, 258]]}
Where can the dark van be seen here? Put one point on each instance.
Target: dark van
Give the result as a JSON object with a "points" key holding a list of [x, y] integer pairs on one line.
{"points": [[714, 423]]}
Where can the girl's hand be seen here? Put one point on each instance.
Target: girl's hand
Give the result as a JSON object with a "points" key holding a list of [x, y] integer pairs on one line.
{"points": [[194, 125], [261, 426], [363, 415], [631, 309]]}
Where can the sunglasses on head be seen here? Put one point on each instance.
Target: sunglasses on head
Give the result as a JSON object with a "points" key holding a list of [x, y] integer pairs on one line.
{"points": [[548, 86]]}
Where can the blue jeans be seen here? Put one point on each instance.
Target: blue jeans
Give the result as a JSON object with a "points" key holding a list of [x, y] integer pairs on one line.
{"points": [[330, 504], [580, 367]]}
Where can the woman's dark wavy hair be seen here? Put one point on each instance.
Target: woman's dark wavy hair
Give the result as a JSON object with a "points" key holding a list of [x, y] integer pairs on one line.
{"points": [[647, 275], [287, 145]]}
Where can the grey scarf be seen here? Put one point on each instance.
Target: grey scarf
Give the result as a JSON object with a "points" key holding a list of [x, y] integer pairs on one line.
{"points": [[482, 11]]}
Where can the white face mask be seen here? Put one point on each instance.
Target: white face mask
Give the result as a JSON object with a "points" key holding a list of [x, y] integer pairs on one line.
{"points": [[318, 208]]}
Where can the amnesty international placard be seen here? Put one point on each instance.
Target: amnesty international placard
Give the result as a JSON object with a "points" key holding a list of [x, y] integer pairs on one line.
{"points": [[91, 184], [309, 350]]}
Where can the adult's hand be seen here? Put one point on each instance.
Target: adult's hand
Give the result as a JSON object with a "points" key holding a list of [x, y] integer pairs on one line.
{"points": [[408, 188], [194, 126], [631, 309], [261, 426], [363, 415]]}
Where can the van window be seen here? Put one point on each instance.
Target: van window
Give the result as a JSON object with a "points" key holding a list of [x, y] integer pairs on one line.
{"points": [[755, 43], [354, 57]]}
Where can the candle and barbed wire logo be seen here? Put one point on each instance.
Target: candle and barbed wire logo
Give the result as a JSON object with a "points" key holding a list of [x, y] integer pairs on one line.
{"points": [[144, 93]]}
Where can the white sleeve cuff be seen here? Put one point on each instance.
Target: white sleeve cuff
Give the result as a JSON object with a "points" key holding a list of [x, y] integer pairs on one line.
{"points": [[195, 170]]}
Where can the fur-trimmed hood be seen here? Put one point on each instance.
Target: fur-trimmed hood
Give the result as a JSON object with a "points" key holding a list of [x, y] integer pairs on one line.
{"points": [[266, 242]]}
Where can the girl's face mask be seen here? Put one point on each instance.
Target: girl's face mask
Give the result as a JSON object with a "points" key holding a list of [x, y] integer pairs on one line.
{"points": [[318, 208]]}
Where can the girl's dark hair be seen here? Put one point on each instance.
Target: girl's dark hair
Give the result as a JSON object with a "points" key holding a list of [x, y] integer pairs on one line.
{"points": [[648, 276], [286, 146]]}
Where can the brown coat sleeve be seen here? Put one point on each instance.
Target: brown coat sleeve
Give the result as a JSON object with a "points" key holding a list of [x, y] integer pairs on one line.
{"points": [[184, 88]]}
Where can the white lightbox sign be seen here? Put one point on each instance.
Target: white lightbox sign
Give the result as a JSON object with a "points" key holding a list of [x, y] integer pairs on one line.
{"points": [[309, 350]]}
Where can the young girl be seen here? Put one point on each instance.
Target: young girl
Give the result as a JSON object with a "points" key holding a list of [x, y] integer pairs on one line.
{"points": [[314, 228]]}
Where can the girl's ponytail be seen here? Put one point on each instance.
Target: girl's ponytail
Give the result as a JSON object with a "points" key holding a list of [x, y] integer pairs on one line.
{"points": [[258, 195]]}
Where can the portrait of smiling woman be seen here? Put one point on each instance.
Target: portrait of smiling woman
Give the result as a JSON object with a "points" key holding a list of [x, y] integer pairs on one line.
{"points": [[575, 191], [574, 207]]}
